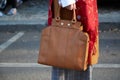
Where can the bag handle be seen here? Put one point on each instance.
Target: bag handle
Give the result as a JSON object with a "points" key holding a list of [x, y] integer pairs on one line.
{"points": [[57, 16]]}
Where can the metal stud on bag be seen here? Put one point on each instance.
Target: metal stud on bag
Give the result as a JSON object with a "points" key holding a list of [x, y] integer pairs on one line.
{"points": [[68, 24], [62, 23]]}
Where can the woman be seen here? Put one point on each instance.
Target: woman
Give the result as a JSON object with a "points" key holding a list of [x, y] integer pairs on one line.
{"points": [[2, 6], [13, 10], [86, 11]]}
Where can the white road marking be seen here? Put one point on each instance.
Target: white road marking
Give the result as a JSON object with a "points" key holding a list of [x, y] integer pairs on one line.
{"points": [[24, 22], [91, 70], [44, 66], [22, 65], [106, 66], [10, 41], [113, 16], [40, 65]]}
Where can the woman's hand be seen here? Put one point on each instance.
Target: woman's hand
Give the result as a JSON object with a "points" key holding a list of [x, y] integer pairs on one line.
{"points": [[71, 7]]}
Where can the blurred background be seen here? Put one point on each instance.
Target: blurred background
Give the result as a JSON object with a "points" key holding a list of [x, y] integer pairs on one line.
{"points": [[20, 40]]}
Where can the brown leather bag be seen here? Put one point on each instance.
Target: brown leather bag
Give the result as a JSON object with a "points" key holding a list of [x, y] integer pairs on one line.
{"points": [[64, 44]]}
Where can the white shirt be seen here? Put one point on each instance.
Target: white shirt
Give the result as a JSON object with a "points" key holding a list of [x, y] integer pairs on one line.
{"points": [[65, 3]]}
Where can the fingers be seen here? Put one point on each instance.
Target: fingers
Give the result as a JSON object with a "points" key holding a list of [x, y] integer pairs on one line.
{"points": [[74, 6], [71, 7]]}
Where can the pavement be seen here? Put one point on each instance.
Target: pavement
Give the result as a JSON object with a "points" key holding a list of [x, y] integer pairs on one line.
{"points": [[25, 73], [30, 12], [20, 40], [19, 52], [35, 12]]}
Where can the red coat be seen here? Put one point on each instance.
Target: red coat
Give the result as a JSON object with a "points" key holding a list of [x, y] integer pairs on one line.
{"points": [[87, 13]]}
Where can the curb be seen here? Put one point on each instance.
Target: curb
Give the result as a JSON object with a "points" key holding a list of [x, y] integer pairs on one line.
{"points": [[103, 26], [27, 27], [108, 26]]}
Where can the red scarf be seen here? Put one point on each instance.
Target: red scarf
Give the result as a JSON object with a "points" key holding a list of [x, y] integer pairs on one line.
{"points": [[87, 13]]}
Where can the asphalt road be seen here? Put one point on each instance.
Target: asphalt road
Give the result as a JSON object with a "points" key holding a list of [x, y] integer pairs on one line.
{"points": [[20, 40], [24, 48], [25, 73]]}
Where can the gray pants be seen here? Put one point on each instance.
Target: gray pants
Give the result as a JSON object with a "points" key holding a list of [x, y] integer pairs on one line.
{"points": [[66, 74]]}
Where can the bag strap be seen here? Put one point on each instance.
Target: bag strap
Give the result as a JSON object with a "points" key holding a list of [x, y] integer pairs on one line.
{"points": [[57, 9], [57, 12]]}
